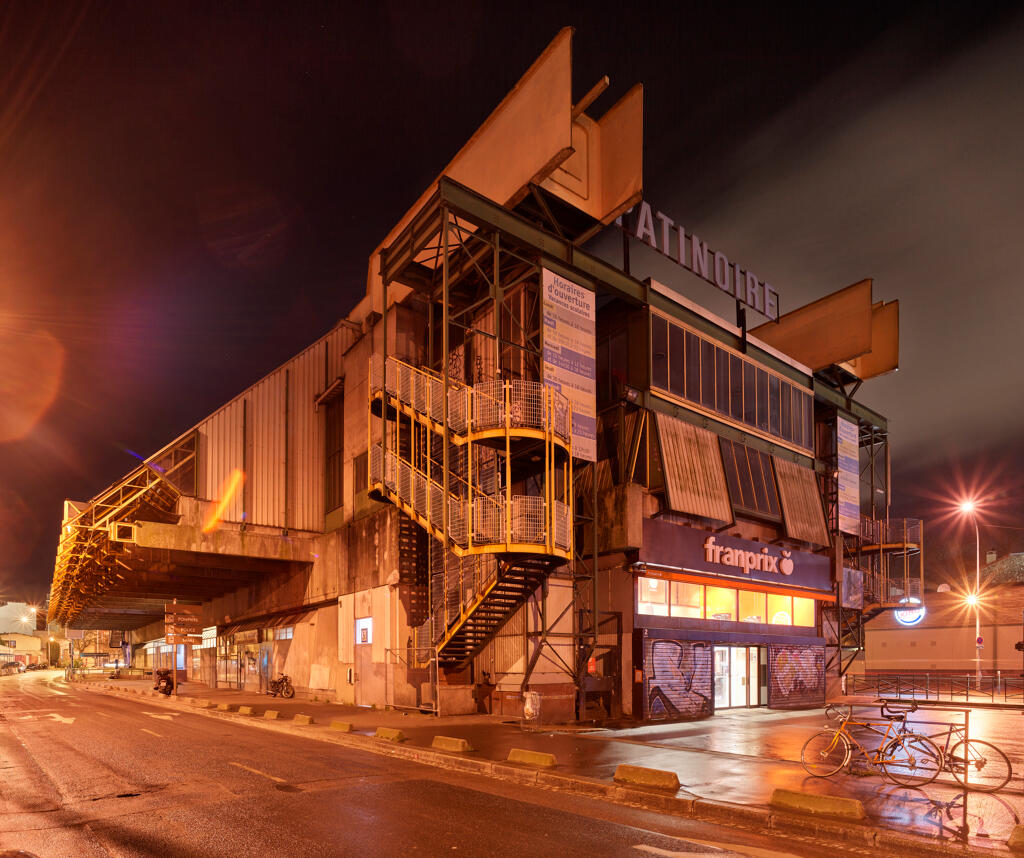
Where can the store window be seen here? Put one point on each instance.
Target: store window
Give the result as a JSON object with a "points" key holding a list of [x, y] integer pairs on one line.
{"points": [[752, 606], [661, 598], [687, 600], [653, 597], [721, 603]]}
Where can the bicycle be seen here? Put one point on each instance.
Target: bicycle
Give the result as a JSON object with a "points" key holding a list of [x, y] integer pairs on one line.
{"points": [[905, 758], [975, 764]]}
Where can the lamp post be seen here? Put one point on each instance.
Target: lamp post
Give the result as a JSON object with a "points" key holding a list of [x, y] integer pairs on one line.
{"points": [[969, 507]]}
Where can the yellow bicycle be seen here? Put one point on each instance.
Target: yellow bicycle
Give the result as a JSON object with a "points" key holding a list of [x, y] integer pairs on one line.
{"points": [[904, 758]]}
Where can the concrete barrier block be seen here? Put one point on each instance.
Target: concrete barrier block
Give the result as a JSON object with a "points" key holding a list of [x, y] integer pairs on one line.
{"points": [[303, 719], [389, 734], [818, 805], [640, 776], [204, 704], [271, 714], [226, 707], [541, 759], [1016, 841], [451, 743], [341, 726], [245, 710]]}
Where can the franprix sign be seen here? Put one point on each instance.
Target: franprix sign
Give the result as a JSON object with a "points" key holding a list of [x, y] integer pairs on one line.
{"points": [[570, 364], [662, 233], [680, 548]]}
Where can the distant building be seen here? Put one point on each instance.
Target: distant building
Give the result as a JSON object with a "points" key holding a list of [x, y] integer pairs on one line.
{"points": [[518, 478]]}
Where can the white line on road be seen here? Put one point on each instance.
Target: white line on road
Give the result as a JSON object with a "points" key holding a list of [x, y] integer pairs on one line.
{"points": [[258, 772], [151, 733], [104, 714], [729, 849], [169, 716]]}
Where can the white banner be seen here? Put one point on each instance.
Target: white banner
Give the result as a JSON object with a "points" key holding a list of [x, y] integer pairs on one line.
{"points": [[569, 356]]}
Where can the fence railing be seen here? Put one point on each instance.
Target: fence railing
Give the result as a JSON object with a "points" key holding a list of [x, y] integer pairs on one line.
{"points": [[966, 687]]}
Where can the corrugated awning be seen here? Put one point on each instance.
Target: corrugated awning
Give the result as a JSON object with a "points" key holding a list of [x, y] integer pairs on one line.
{"points": [[692, 466], [801, 502], [267, 621]]}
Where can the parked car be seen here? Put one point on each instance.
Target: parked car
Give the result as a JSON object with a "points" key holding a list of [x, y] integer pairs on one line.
{"points": [[11, 667]]}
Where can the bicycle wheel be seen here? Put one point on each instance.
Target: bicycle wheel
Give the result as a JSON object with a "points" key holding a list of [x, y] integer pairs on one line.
{"points": [[979, 765], [911, 760], [825, 753]]}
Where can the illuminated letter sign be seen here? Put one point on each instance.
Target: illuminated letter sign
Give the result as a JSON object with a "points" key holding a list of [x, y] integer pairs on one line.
{"points": [[670, 239]]}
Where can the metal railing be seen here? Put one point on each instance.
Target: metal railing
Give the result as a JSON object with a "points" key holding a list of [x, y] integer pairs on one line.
{"points": [[965, 687], [488, 520], [490, 405]]}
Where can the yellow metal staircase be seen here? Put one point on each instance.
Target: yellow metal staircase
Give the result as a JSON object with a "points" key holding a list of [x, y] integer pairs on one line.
{"points": [[486, 470]]}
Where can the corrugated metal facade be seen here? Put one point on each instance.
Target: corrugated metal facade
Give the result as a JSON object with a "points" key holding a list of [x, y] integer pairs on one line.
{"points": [[274, 436], [801, 502], [692, 466]]}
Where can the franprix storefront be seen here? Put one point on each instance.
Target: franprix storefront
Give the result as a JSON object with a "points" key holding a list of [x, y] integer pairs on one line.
{"points": [[721, 622]]}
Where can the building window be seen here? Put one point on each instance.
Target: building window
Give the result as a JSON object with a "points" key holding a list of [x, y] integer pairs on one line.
{"points": [[360, 474], [661, 598], [653, 597], [721, 603], [284, 633], [334, 443], [690, 367], [751, 479]]}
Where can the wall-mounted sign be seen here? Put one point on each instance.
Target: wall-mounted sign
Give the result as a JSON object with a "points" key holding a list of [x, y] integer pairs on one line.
{"points": [[848, 477], [669, 238], [674, 546], [570, 364]]}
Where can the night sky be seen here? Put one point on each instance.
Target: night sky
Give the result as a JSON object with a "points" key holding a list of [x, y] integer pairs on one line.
{"points": [[189, 194]]}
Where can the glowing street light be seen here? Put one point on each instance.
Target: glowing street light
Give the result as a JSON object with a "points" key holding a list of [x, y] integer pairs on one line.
{"points": [[970, 507]]}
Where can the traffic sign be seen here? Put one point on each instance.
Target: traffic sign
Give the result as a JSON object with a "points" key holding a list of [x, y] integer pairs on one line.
{"points": [[981, 640], [192, 640]]}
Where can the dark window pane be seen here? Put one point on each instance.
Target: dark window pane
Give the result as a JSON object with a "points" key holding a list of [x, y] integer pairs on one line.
{"points": [[618, 362], [769, 481], [735, 387], [773, 405], [659, 352], [757, 480], [749, 395], [707, 374], [676, 360], [762, 400], [729, 461], [692, 367], [809, 422], [334, 442], [785, 413], [722, 380]]}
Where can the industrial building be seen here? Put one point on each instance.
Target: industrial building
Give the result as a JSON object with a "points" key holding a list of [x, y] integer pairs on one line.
{"points": [[519, 478]]}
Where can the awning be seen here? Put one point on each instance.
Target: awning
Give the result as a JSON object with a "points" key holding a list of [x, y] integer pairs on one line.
{"points": [[267, 621], [692, 466], [801, 503]]}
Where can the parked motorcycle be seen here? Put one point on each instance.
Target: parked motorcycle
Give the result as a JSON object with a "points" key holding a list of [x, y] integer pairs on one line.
{"points": [[164, 683], [282, 685]]}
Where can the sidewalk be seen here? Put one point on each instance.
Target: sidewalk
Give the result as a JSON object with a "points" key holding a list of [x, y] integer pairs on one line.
{"points": [[728, 766]]}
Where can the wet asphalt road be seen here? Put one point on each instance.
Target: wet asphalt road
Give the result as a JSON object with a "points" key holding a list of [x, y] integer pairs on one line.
{"points": [[85, 775]]}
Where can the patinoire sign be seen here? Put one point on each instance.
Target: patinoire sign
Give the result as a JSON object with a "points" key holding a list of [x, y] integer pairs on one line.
{"points": [[662, 233], [676, 547]]}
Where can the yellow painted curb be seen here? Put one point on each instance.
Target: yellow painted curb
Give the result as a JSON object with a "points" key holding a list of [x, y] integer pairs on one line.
{"points": [[532, 758], [341, 726], [451, 743], [303, 719], [225, 707], [245, 710], [820, 805], [271, 714], [389, 734], [640, 776]]}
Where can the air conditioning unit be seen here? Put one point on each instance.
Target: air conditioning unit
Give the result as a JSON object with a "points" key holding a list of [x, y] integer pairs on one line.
{"points": [[122, 531]]}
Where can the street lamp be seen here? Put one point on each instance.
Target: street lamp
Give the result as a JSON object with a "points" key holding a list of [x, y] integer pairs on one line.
{"points": [[969, 507]]}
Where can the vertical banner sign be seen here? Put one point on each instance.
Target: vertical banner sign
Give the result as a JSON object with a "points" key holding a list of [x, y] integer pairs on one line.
{"points": [[569, 356], [849, 476]]}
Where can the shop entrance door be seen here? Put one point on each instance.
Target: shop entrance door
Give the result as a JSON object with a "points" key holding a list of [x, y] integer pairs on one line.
{"points": [[737, 677]]}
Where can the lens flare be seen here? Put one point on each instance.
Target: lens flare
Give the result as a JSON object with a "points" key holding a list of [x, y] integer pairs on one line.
{"points": [[231, 486]]}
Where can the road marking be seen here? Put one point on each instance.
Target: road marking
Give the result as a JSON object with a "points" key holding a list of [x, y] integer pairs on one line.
{"points": [[60, 719], [151, 733], [726, 849], [258, 772], [103, 714], [169, 716]]}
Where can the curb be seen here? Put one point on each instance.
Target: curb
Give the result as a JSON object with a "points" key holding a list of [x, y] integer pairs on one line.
{"points": [[725, 813]]}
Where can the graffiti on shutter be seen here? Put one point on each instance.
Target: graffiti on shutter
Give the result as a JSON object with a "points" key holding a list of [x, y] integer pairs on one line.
{"points": [[796, 675], [677, 680]]}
